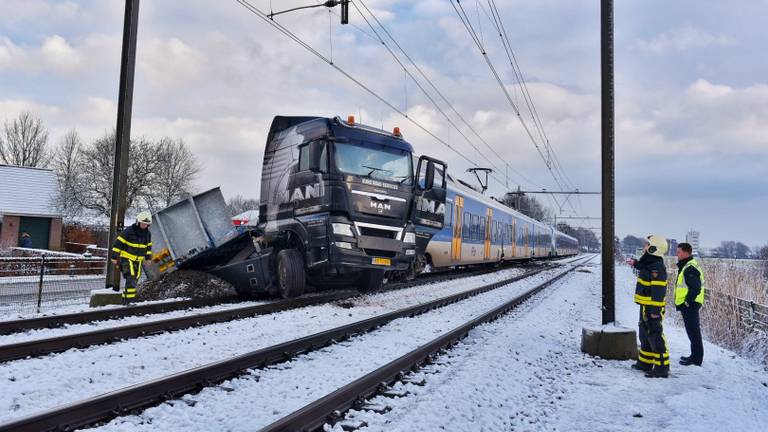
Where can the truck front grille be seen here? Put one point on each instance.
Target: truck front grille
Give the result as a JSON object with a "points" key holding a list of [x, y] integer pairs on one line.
{"points": [[376, 232], [380, 253]]}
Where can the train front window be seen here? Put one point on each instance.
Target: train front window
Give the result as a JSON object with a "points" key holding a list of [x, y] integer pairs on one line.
{"points": [[374, 161]]}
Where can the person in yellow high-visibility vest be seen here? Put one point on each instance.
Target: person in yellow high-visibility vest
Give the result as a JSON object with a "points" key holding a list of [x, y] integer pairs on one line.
{"points": [[131, 248], [689, 297]]}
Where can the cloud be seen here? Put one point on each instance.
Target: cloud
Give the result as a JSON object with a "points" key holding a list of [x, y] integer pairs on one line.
{"points": [[683, 39]]}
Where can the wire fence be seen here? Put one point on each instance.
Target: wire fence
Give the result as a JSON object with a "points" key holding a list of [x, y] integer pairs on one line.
{"points": [[46, 282]]}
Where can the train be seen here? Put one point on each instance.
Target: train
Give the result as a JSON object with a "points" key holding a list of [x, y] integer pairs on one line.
{"points": [[477, 230]]}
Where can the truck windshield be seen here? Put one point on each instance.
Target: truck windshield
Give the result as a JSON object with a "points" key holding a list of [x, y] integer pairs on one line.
{"points": [[374, 161]]}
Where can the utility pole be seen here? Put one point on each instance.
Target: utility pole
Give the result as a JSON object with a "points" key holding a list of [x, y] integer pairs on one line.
{"points": [[608, 165], [123, 132]]}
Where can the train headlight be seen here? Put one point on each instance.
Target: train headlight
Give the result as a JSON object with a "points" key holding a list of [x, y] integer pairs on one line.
{"points": [[342, 229], [410, 252], [409, 237]]}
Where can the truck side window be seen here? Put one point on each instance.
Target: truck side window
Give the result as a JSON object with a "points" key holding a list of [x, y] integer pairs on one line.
{"points": [[304, 157]]}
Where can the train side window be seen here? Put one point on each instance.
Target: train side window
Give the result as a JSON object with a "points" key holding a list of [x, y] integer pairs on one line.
{"points": [[466, 231], [481, 230], [449, 213]]}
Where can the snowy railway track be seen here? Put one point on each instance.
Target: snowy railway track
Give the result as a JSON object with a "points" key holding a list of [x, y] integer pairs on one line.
{"points": [[120, 402], [54, 321], [50, 345], [330, 408]]}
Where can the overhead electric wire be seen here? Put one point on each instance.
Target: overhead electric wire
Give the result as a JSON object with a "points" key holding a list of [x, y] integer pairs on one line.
{"points": [[550, 160], [468, 26], [282, 29], [435, 88]]}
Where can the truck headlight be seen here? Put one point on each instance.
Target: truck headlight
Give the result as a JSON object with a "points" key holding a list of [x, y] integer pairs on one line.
{"points": [[342, 229], [343, 245], [409, 237]]}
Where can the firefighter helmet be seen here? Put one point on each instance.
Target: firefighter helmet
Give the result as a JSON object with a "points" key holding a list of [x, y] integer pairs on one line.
{"points": [[144, 217], [657, 245]]}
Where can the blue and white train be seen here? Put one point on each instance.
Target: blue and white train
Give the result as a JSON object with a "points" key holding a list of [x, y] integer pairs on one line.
{"points": [[478, 230]]}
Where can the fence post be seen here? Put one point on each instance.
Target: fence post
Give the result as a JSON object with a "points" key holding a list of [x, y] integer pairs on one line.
{"points": [[752, 315], [40, 284]]}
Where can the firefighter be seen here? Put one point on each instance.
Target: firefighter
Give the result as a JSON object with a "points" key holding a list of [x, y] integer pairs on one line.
{"points": [[689, 296], [650, 293], [129, 251]]}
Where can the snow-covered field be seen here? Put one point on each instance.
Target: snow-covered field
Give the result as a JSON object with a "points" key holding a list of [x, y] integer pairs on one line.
{"points": [[525, 372], [30, 385]]}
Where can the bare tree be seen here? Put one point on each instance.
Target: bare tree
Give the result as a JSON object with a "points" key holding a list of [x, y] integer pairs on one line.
{"points": [[26, 142], [177, 173], [238, 204], [93, 189], [158, 173], [528, 206], [65, 161]]}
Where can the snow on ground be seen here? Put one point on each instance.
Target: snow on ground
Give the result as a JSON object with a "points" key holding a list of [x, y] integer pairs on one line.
{"points": [[525, 372], [30, 386], [249, 403]]}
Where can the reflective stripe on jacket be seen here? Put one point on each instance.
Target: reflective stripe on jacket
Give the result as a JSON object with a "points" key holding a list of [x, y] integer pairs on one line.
{"points": [[651, 287], [133, 244], [681, 288]]}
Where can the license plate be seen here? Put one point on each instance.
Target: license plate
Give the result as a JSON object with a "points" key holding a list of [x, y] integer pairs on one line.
{"points": [[382, 261]]}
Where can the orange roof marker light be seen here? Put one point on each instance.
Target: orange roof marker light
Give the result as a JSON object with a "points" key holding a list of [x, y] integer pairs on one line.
{"points": [[351, 119], [396, 132]]}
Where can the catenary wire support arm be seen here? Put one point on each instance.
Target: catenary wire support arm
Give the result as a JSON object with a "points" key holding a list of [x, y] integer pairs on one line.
{"points": [[329, 4]]}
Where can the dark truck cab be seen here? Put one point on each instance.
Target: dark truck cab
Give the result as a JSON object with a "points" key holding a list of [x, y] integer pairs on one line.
{"points": [[338, 201]]}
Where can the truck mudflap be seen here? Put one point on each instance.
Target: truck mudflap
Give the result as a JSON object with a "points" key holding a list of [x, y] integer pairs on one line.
{"points": [[249, 276]]}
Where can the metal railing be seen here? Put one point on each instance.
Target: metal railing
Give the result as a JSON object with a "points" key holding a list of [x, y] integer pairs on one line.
{"points": [[45, 282]]}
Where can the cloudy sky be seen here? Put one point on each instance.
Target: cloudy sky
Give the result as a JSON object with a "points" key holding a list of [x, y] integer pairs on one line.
{"points": [[691, 86]]}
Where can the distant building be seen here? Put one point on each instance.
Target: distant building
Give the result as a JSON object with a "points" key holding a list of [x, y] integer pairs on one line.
{"points": [[693, 238], [672, 247], [27, 205]]}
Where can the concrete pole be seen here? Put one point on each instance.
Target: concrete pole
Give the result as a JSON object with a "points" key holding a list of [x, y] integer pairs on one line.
{"points": [[608, 165], [123, 132]]}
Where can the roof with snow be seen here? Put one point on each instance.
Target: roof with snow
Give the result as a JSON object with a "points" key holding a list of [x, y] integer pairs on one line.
{"points": [[27, 191]]}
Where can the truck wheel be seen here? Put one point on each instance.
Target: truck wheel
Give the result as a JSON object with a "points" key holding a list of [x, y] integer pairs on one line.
{"points": [[291, 279], [370, 280]]}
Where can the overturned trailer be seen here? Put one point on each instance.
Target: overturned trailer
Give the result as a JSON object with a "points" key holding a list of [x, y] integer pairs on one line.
{"points": [[338, 205]]}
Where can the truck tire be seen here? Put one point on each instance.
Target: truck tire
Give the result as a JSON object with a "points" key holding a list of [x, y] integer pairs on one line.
{"points": [[291, 278], [370, 280]]}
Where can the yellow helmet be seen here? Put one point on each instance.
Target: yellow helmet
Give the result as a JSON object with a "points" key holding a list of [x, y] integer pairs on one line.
{"points": [[144, 217], [657, 245]]}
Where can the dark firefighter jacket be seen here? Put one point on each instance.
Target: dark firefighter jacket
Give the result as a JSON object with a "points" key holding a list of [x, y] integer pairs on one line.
{"points": [[133, 244], [651, 288]]}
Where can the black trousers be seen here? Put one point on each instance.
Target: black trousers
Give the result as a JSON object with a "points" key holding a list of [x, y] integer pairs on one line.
{"points": [[131, 272], [653, 345], [693, 328]]}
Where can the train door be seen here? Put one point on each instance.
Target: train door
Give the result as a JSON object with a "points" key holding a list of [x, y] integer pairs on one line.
{"points": [[458, 223], [488, 231]]}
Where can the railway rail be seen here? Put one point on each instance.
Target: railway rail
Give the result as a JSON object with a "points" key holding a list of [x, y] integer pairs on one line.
{"points": [[139, 396], [45, 346], [330, 408]]}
